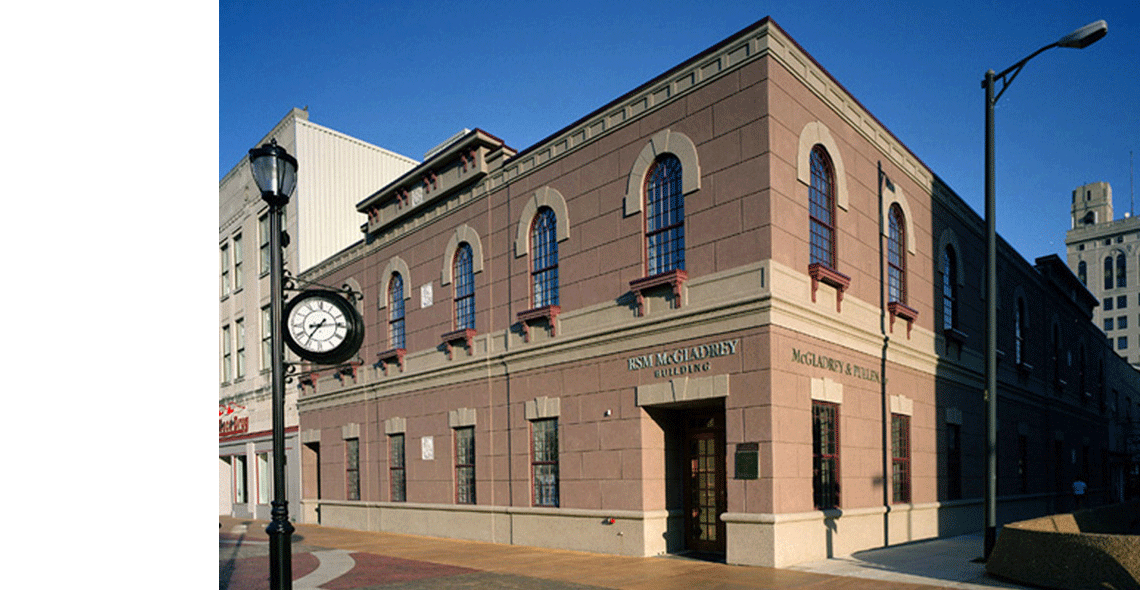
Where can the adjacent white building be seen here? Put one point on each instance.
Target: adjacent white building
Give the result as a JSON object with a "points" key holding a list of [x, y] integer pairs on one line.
{"points": [[335, 171]]}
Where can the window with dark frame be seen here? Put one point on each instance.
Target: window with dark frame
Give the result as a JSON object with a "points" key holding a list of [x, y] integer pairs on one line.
{"points": [[1083, 273], [263, 238], [239, 358], [396, 472], [900, 459], [544, 461], [544, 258], [1108, 282], [821, 210], [465, 465], [225, 260], [1019, 332], [1121, 271], [949, 289], [953, 462], [464, 288], [266, 335], [664, 217], [896, 256], [396, 311], [227, 354], [1023, 463], [239, 255], [352, 468], [825, 455]]}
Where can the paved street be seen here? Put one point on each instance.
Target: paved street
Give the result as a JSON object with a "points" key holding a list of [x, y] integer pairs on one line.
{"points": [[339, 559]]}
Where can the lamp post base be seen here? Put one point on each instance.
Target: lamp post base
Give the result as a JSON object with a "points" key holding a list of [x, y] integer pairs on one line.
{"points": [[280, 532]]}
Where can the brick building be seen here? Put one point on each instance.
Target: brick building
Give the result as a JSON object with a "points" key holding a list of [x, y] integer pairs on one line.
{"points": [[728, 311]]}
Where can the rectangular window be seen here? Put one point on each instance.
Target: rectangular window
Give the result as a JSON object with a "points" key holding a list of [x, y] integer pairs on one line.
{"points": [[225, 255], [465, 465], [396, 471], [953, 462], [825, 455], [1108, 324], [227, 354], [263, 237], [1122, 323], [1122, 302], [239, 327], [266, 335], [241, 475], [1122, 343], [900, 458], [263, 478], [238, 255], [544, 461], [1108, 303], [352, 468]]}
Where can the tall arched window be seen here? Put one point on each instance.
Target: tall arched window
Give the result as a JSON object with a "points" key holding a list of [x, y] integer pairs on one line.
{"points": [[1121, 271], [1108, 282], [821, 210], [396, 311], [949, 289], [464, 288], [1083, 273], [664, 217], [544, 259], [1019, 332], [896, 256]]}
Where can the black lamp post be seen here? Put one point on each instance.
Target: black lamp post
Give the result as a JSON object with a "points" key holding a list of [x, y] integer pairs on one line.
{"points": [[1079, 39], [275, 172]]}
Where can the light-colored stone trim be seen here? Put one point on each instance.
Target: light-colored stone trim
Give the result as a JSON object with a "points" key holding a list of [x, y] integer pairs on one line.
{"points": [[826, 390], [310, 435], [461, 417], [543, 407], [949, 238], [683, 389], [395, 264], [543, 197], [813, 134], [893, 197], [902, 405], [351, 430], [463, 233], [663, 142], [395, 426]]}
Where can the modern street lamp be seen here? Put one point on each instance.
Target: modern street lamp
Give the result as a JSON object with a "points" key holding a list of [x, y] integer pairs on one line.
{"points": [[275, 172], [1079, 39]]}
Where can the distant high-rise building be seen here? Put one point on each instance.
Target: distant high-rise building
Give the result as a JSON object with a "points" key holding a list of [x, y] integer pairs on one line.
{"points": [[1104, 252]]}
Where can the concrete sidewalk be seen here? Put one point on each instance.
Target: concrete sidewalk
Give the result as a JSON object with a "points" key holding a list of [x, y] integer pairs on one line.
{"points": [[341, 559]]}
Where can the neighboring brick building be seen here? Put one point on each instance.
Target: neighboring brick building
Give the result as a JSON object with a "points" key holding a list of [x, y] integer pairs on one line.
{"points": [[728, 311]]}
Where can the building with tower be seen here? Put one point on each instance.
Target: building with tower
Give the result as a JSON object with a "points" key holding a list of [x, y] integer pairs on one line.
{"points": [[1104, 252]]}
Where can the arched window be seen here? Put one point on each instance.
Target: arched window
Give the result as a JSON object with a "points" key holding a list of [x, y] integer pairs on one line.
{"points": [[896, 256], [464, 288], [1083, 273], [949, 289], [1019, 332], [665, 217], [1121, 271], [1108, 282], [396, 311], [544, 259], [821, 210]]}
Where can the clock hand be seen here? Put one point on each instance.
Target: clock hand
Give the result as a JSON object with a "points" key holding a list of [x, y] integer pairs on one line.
{"points": [[316, 327]]}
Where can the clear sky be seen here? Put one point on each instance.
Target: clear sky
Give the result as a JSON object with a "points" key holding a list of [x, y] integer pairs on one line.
{"points": [[407, 75]]}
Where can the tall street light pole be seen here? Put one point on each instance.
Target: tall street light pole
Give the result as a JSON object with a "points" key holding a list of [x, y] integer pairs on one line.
{"points": [[275, 172], [1078, 39]]}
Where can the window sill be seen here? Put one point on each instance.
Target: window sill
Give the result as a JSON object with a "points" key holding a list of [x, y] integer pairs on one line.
{"points": [[955, 335], [901, 310], [464, 334], [821, 273], [394, 355], [1024, 368], [547, 312], [674, 278]]}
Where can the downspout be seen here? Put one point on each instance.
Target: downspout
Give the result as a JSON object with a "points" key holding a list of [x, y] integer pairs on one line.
{"points": [[883, 374], [507, 378]]}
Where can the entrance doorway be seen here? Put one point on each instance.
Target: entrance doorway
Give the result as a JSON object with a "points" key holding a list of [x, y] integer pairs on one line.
{"points": [[704, 480]]}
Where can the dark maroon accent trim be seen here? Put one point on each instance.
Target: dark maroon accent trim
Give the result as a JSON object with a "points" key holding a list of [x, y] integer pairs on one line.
{"points": [[821, 273], [674, 278], [549, 312]]}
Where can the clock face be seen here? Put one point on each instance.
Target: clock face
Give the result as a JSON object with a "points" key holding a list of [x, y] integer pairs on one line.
{"points": [[321, 326], [317, 324]]}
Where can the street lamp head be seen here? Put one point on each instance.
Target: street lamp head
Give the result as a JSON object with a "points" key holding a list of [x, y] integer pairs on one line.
{"points": [[1084, 36], [274, 171]]}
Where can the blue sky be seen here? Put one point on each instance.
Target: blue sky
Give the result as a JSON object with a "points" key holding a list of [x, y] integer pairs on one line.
{"points": [[407, 75]]}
